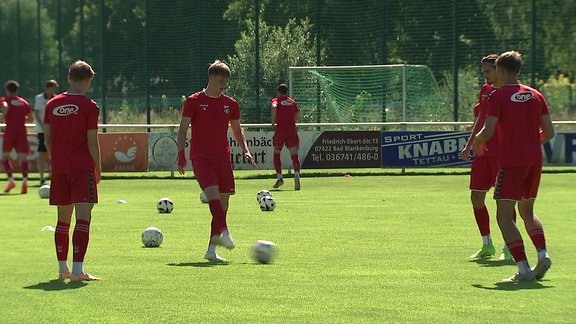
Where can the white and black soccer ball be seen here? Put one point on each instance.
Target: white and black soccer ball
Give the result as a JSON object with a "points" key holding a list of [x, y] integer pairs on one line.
{"points": [[44, 191], [263, 193], [203, 197], [264, 251], [267, 203], [152, 237], [165, 205]]}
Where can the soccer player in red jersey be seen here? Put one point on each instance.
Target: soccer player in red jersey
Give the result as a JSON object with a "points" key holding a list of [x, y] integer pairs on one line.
{"points": [[16, 110], [285, 113], [520, 115], [39, 111], [70, 129], [485, 164], [209, 113]]}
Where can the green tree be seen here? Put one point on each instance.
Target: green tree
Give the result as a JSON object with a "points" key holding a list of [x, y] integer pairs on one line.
{"points": [[280, 47]]}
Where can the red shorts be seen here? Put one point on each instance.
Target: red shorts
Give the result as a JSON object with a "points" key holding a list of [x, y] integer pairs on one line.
{"points": [[73, 188], [290, 138], [518, 183], [483, 173], [15, 141], [210, 173]]}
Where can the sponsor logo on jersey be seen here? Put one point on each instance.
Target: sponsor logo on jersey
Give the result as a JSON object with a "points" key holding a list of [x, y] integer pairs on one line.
{"points": [[15, 102], [203, 106], [286, 103], [65, 110], [226, 109], [522, 96]]}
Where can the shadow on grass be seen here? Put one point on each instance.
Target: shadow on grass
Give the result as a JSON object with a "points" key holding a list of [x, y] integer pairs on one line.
{"points": [[205, 264], [56, 284], [493, 262], [514, 286]]}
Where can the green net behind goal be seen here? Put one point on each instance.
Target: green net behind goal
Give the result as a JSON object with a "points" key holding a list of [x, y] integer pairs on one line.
{"points": [[382, 93]]}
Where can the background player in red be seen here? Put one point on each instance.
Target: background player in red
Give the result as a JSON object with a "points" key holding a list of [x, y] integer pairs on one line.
{"points": [[485, 163], [39, 111], [16, 111], [70, 129], [285, 113], [521, 117], [209, 113]]}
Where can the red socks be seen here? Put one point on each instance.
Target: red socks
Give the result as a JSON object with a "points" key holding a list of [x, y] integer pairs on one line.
{"points": [[80, 240], [61, 239], [24, 169], [517, 250], [277, 163], [538, 238], [483, 220], [218, 217], [295, 162], [7, 167]]}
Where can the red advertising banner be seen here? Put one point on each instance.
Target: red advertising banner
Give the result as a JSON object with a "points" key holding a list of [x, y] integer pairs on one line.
{"points": [[123, 152]]}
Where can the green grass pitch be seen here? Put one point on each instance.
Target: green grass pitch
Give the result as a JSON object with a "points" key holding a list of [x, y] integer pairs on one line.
{"points": [[360, 249]]}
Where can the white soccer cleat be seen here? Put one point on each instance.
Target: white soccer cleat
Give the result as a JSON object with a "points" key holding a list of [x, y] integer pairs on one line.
{"points": [[224, 240], [542, 267], [213, 257], [518, 277]]}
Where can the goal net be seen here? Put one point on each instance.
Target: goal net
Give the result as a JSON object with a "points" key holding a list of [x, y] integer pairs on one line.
{"points": [[373, 93]]}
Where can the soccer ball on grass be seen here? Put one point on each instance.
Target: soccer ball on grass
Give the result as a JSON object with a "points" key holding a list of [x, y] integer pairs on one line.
{"points": [[44, 191], [263, 193], [152, 237], [165, 205], [264, 251], [267, 203]]}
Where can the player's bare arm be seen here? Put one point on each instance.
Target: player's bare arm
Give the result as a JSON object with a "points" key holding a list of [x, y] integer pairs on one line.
{"points": [[241, 140], [47, 134], [94, 150], [37, 118], [273, 113], [487, 131], [181, 143], [547, 129], [484, 135], [465, 153], [4, 108]]}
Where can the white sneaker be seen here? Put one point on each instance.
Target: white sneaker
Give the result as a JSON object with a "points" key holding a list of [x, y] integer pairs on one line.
{"points": [[227, 241], [213, 257], [521, 277], [224, 240], [542, 267]]}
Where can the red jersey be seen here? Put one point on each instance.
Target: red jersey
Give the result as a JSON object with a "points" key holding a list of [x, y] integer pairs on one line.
{"points": [[286, 109], [209, 119], [18, 109], [519, 109], [481, 112], [70, 116]]}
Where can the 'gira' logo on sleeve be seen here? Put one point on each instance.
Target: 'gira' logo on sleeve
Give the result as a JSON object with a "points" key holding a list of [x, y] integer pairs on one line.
{"points": [[65, 110]]}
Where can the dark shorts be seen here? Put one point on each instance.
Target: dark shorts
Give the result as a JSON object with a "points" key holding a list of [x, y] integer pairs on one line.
{"points": [[210, 173], [483, 173], [41, 144], [288, 138], [518, 183], [73, 188]]}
